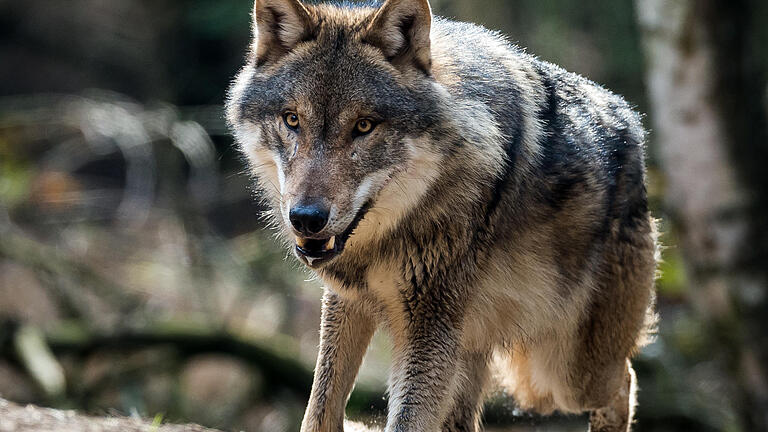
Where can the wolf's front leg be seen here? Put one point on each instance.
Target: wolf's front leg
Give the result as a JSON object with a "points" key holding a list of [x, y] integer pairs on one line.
{"points": [[345, 333], [471, 378], [423, 377]]}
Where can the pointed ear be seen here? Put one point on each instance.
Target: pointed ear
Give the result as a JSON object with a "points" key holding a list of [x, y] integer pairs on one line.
{"points": [[400, 28], [279, 25]]}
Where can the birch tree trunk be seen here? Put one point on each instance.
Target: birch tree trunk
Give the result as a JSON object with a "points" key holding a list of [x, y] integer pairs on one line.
{"points": [[707, 93]]}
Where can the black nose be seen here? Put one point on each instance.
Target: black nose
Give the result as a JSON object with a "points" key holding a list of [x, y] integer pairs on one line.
{"points": [[309, 219]]}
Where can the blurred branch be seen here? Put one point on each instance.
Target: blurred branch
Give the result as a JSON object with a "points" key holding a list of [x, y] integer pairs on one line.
{"points": [[99, 123], [36, 357], [274, 358], [20, 248]]}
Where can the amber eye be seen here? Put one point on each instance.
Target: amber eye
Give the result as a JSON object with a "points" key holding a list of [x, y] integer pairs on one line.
{"points": [[291, 120], [363, 126]]}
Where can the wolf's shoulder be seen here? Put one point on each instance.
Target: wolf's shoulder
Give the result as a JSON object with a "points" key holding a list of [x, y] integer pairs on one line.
{"points": [[482, 64], [464, 45], [473, 52], [578, 130]]}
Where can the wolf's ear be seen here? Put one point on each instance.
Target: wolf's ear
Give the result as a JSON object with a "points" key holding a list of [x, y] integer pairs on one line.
{"points": [[400, 28], [278, 26]]}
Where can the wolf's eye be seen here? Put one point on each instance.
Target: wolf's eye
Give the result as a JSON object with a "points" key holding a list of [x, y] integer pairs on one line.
{"points": [[291, 120], [364, 127]]}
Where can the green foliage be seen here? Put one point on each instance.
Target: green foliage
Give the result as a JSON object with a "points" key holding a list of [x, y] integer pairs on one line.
{"points": [[15, 181], [672, 281]]}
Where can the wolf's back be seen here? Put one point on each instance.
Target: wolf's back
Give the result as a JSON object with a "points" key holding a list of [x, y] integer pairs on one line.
{"points": [[563, 133]]}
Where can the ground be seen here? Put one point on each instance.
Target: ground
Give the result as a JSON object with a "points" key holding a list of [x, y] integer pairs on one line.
{"points": [[30, 418]]}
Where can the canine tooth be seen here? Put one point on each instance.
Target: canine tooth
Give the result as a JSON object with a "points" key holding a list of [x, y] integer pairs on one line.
{"points": [[301, 242], [331, 243]]}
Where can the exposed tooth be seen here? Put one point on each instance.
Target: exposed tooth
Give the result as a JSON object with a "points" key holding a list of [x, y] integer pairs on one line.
{"points": [[331, 243], [301, 242]]}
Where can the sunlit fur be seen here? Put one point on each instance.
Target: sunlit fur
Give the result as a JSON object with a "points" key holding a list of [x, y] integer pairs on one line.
{"points": [[508, 224]]}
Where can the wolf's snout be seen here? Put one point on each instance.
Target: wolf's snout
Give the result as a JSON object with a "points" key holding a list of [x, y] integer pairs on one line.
{"points": [[309, 218]]}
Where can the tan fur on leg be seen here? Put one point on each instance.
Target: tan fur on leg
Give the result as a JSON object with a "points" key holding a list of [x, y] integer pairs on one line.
{"points": [[345, 333], [472, 378], [618, 415]]}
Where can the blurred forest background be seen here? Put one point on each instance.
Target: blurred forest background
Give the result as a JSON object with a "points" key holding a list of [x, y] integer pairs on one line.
{"points": [[137, 278]]}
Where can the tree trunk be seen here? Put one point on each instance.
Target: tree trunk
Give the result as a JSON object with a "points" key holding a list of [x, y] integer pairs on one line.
{"points": [[707, 92]]}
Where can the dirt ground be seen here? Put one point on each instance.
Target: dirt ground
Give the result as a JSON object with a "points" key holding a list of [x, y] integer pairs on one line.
{"points": [[30, 418]]}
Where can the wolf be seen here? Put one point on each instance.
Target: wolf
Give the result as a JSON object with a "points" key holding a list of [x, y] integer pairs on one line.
{"points": [[487, 208]]}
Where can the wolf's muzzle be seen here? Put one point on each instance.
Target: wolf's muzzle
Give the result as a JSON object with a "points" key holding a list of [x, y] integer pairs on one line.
{"points": [[309, 218], [315, 252]]}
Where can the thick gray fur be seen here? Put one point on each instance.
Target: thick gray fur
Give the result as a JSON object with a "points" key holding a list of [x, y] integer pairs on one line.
{"points": [[507, 236]]}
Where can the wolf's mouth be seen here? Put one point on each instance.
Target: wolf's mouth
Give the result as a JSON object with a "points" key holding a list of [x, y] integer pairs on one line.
{"points": [[315, 252]]}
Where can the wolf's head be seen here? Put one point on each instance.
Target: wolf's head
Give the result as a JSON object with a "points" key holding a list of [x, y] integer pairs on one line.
{"points": [[331, 110]]}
